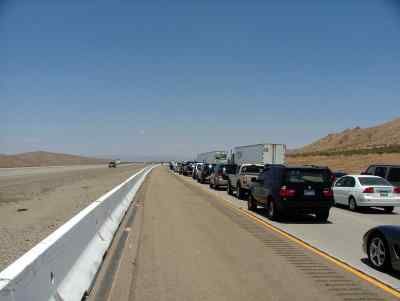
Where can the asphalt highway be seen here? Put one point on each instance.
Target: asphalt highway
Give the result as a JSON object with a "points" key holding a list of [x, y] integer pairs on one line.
{"points": [[187, 243], [340, 237], [31, 171]]}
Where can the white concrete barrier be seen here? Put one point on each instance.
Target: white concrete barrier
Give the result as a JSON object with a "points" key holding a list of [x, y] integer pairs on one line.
{"points": [[63, 266]]}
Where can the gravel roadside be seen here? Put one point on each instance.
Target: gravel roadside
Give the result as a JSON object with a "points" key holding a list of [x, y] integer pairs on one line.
{"points": [[31, 207]]}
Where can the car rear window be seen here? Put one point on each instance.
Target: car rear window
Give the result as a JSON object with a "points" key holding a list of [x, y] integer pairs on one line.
{"points": [[371, 181], [394, 175], [307, 176], [230, 168], [253, 169]]}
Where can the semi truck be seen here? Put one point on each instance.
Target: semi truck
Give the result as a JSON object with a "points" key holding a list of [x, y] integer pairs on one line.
{"points": [[267, 153], [246, 162], [213, 157]]}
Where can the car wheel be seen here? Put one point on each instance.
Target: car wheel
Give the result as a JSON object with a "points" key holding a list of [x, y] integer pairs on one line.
{"points": [[211, 186], [378, 252], [251, 203], [229, 189], [272, 211], [352, 204], [240, 192], [388, 209], [322, 216]]}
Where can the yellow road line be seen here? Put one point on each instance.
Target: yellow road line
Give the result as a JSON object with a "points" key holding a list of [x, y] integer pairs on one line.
{"points": [[307, 246]]}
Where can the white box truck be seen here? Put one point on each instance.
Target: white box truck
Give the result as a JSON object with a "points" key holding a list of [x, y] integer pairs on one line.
{"points": [[213, 157], [267, 153], [248, 161]]}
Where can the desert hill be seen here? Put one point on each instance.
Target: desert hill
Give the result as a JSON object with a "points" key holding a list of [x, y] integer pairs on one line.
{"points": [[41, 158], [380, 136]]}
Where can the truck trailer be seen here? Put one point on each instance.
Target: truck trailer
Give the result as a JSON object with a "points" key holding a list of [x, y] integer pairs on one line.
{"points": [[213, 157], [267, 153], [248, 161]]}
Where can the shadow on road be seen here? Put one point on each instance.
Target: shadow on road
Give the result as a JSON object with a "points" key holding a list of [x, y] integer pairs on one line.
{"points": [[367, 210], [294, 218], [392, 273]]}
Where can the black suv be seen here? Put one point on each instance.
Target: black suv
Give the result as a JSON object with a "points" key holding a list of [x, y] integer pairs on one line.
{"points": [[187, 168], [205, 173], [388, 172], [292, 189]]}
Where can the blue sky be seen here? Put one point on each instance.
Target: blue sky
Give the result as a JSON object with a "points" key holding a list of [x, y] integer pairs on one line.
{"points": [[161, 78]]}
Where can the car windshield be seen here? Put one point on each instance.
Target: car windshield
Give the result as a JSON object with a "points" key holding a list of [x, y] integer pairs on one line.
{"points": [[254, 169], [394, 175], [373, 181], [306, 176], [230, 168]]}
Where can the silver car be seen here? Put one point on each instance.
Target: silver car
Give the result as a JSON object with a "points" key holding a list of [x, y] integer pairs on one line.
{"points": [[218, 177], [366, 191], [196, 170]]}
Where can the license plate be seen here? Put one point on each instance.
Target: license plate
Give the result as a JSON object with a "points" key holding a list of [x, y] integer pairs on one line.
{"points": [[309, 193], [384, 194]]}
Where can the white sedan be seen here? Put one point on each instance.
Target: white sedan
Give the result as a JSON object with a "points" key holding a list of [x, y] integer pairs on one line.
{"points": [[366, 191]]}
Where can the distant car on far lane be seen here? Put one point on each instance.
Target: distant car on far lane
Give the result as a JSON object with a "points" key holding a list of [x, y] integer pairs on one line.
{"points": [[382, 245], [112, 164], [366, 191]]}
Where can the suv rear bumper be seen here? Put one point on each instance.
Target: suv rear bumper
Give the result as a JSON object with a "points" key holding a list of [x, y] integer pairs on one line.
{"points": [[301, 206], [221, 182]]}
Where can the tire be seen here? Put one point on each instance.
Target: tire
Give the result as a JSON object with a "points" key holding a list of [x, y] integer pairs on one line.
{"points": [[251, 203], [229, 189], [378, 252], [239, 192], [322, 216], [211, 186], [388, 209], [272, 211], [353, 204]]}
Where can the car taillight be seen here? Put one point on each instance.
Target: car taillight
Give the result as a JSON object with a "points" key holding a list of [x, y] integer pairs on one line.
{"points": [[396, 190], [368, 190], [328, 193], [287, 192]]}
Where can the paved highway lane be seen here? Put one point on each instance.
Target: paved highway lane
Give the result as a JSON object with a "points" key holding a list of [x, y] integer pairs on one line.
{"points": [[194, 246], [35, 201], [31, 171], [341, 237]]}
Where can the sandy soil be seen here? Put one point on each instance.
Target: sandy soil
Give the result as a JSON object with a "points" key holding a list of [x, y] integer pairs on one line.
{"points": [[350, 164], [41, 158], [33, 206]]}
